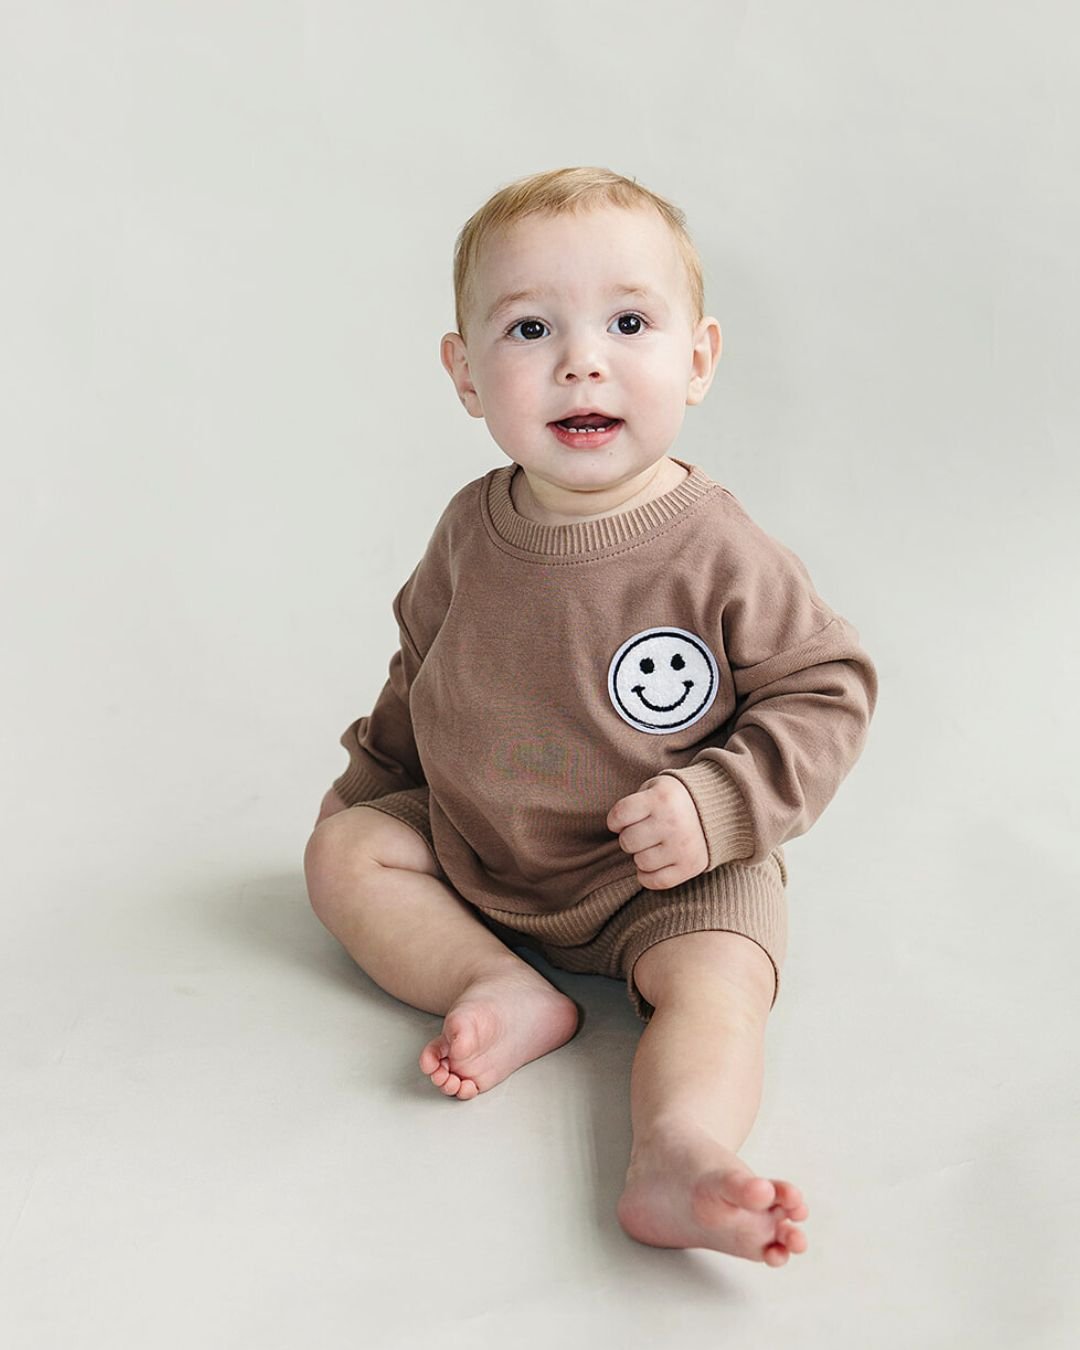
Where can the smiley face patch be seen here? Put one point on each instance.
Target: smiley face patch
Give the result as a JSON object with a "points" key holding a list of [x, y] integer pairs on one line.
{"points": [[662, 680]]}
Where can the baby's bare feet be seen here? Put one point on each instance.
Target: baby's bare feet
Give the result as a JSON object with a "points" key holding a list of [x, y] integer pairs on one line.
{"points": [[684, 1189], [498, 1024]]}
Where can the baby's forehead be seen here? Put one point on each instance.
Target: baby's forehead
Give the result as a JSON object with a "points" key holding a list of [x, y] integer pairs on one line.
{"points": [[574, 277], [616, 256], [617, 240]]}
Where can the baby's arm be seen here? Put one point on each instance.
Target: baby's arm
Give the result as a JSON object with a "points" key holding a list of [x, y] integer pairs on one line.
{"points": [[383, 757], [382, 747], [805, 692]]}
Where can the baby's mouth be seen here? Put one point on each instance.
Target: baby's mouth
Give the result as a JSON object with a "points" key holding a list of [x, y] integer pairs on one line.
{"points": [[586, 424]]}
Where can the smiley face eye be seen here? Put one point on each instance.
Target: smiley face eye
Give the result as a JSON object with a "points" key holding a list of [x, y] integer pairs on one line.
{"points": [[647, 665]]}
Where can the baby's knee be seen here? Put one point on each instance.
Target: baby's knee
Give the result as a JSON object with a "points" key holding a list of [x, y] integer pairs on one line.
{"points": [[338, 843], [362, 839]]}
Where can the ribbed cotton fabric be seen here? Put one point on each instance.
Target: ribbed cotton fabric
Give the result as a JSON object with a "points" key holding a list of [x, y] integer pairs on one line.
{"points": [[588, 538]]}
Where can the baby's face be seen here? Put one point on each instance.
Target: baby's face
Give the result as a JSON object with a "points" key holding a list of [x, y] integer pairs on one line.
{"points": [[581, 340]]}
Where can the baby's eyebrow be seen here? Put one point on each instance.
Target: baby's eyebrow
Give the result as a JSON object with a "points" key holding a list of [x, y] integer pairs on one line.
{"points": [[515, 297]]}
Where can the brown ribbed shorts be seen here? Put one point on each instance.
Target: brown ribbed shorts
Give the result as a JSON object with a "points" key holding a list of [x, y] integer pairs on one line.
{"points": [[734, 897]]}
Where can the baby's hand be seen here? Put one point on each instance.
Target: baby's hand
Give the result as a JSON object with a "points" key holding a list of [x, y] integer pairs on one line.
{"points": [[659, 825]]}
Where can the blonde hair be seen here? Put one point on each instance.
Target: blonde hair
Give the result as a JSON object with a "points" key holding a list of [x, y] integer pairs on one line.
{"points": [[558, 192]]}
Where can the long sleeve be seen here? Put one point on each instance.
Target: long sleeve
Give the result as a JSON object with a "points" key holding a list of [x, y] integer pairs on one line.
{"points": [[382, 748], [805, 691], [383, 754]]}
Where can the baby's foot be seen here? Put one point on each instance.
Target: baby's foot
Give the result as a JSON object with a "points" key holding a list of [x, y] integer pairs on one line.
{"points": [[499, 1023], [687, 1190]]}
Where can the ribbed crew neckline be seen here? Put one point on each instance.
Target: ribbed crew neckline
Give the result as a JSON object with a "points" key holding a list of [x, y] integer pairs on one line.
{"points": [[587, 538]]}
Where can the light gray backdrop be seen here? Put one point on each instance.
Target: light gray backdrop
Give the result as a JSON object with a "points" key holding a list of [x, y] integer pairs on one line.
{"points": [[225, 249]]}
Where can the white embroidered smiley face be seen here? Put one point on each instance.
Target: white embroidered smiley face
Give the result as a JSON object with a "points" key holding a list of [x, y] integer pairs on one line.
{"points": [[663, 679]]}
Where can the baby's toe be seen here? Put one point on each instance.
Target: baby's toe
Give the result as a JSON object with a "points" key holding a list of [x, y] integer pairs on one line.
{"points": [[451, 1085], [775, 1254], [432, 1053], [757, 1193], [794, 1239], [790, 1197], [730, 1187], [460, 1032]]}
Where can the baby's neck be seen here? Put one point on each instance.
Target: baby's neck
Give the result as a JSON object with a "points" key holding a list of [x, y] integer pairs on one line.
{"points": [[668, 475]]}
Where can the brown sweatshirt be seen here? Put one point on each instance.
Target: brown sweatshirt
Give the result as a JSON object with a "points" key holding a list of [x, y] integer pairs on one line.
{"points": [[545, 671]]}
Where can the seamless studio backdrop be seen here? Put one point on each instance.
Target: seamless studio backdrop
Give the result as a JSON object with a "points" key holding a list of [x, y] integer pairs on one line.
{"points": [[225, 254]]}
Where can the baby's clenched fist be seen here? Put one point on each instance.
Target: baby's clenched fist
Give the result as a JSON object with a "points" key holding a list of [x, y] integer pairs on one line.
{"points": [[659, 825]]}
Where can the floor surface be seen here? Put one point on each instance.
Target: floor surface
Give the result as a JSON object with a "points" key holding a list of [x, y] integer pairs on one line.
{"points": [[214, 1130]]}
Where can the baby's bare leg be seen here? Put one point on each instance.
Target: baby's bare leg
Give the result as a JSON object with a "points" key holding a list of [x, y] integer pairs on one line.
{"points": [[694, 1091], [375, 884], [377, 887]]}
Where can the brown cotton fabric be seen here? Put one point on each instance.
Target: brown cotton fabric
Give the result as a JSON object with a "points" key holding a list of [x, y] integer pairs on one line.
{"points": [[546, 671]]}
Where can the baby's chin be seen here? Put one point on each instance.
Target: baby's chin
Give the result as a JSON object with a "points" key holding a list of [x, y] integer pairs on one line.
{"points": [[557, 495]]}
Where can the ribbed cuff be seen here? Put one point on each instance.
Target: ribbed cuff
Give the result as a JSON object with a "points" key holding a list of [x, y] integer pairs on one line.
{"points": [[358, 784], [725, 820]]}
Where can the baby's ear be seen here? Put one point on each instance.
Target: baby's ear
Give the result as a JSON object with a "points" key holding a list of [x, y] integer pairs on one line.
{"points": [[455, 359], [708, 343], [452, 354]]}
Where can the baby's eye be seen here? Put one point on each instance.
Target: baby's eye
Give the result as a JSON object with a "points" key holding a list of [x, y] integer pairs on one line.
{"points": [[526, 323], [639, 319]]}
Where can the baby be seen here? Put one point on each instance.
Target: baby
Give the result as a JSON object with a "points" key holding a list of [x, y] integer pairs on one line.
{"points": [[614, 699]]}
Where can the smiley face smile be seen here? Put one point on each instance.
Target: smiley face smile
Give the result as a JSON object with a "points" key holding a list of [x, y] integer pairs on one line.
{"points": [[662, 707]]}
